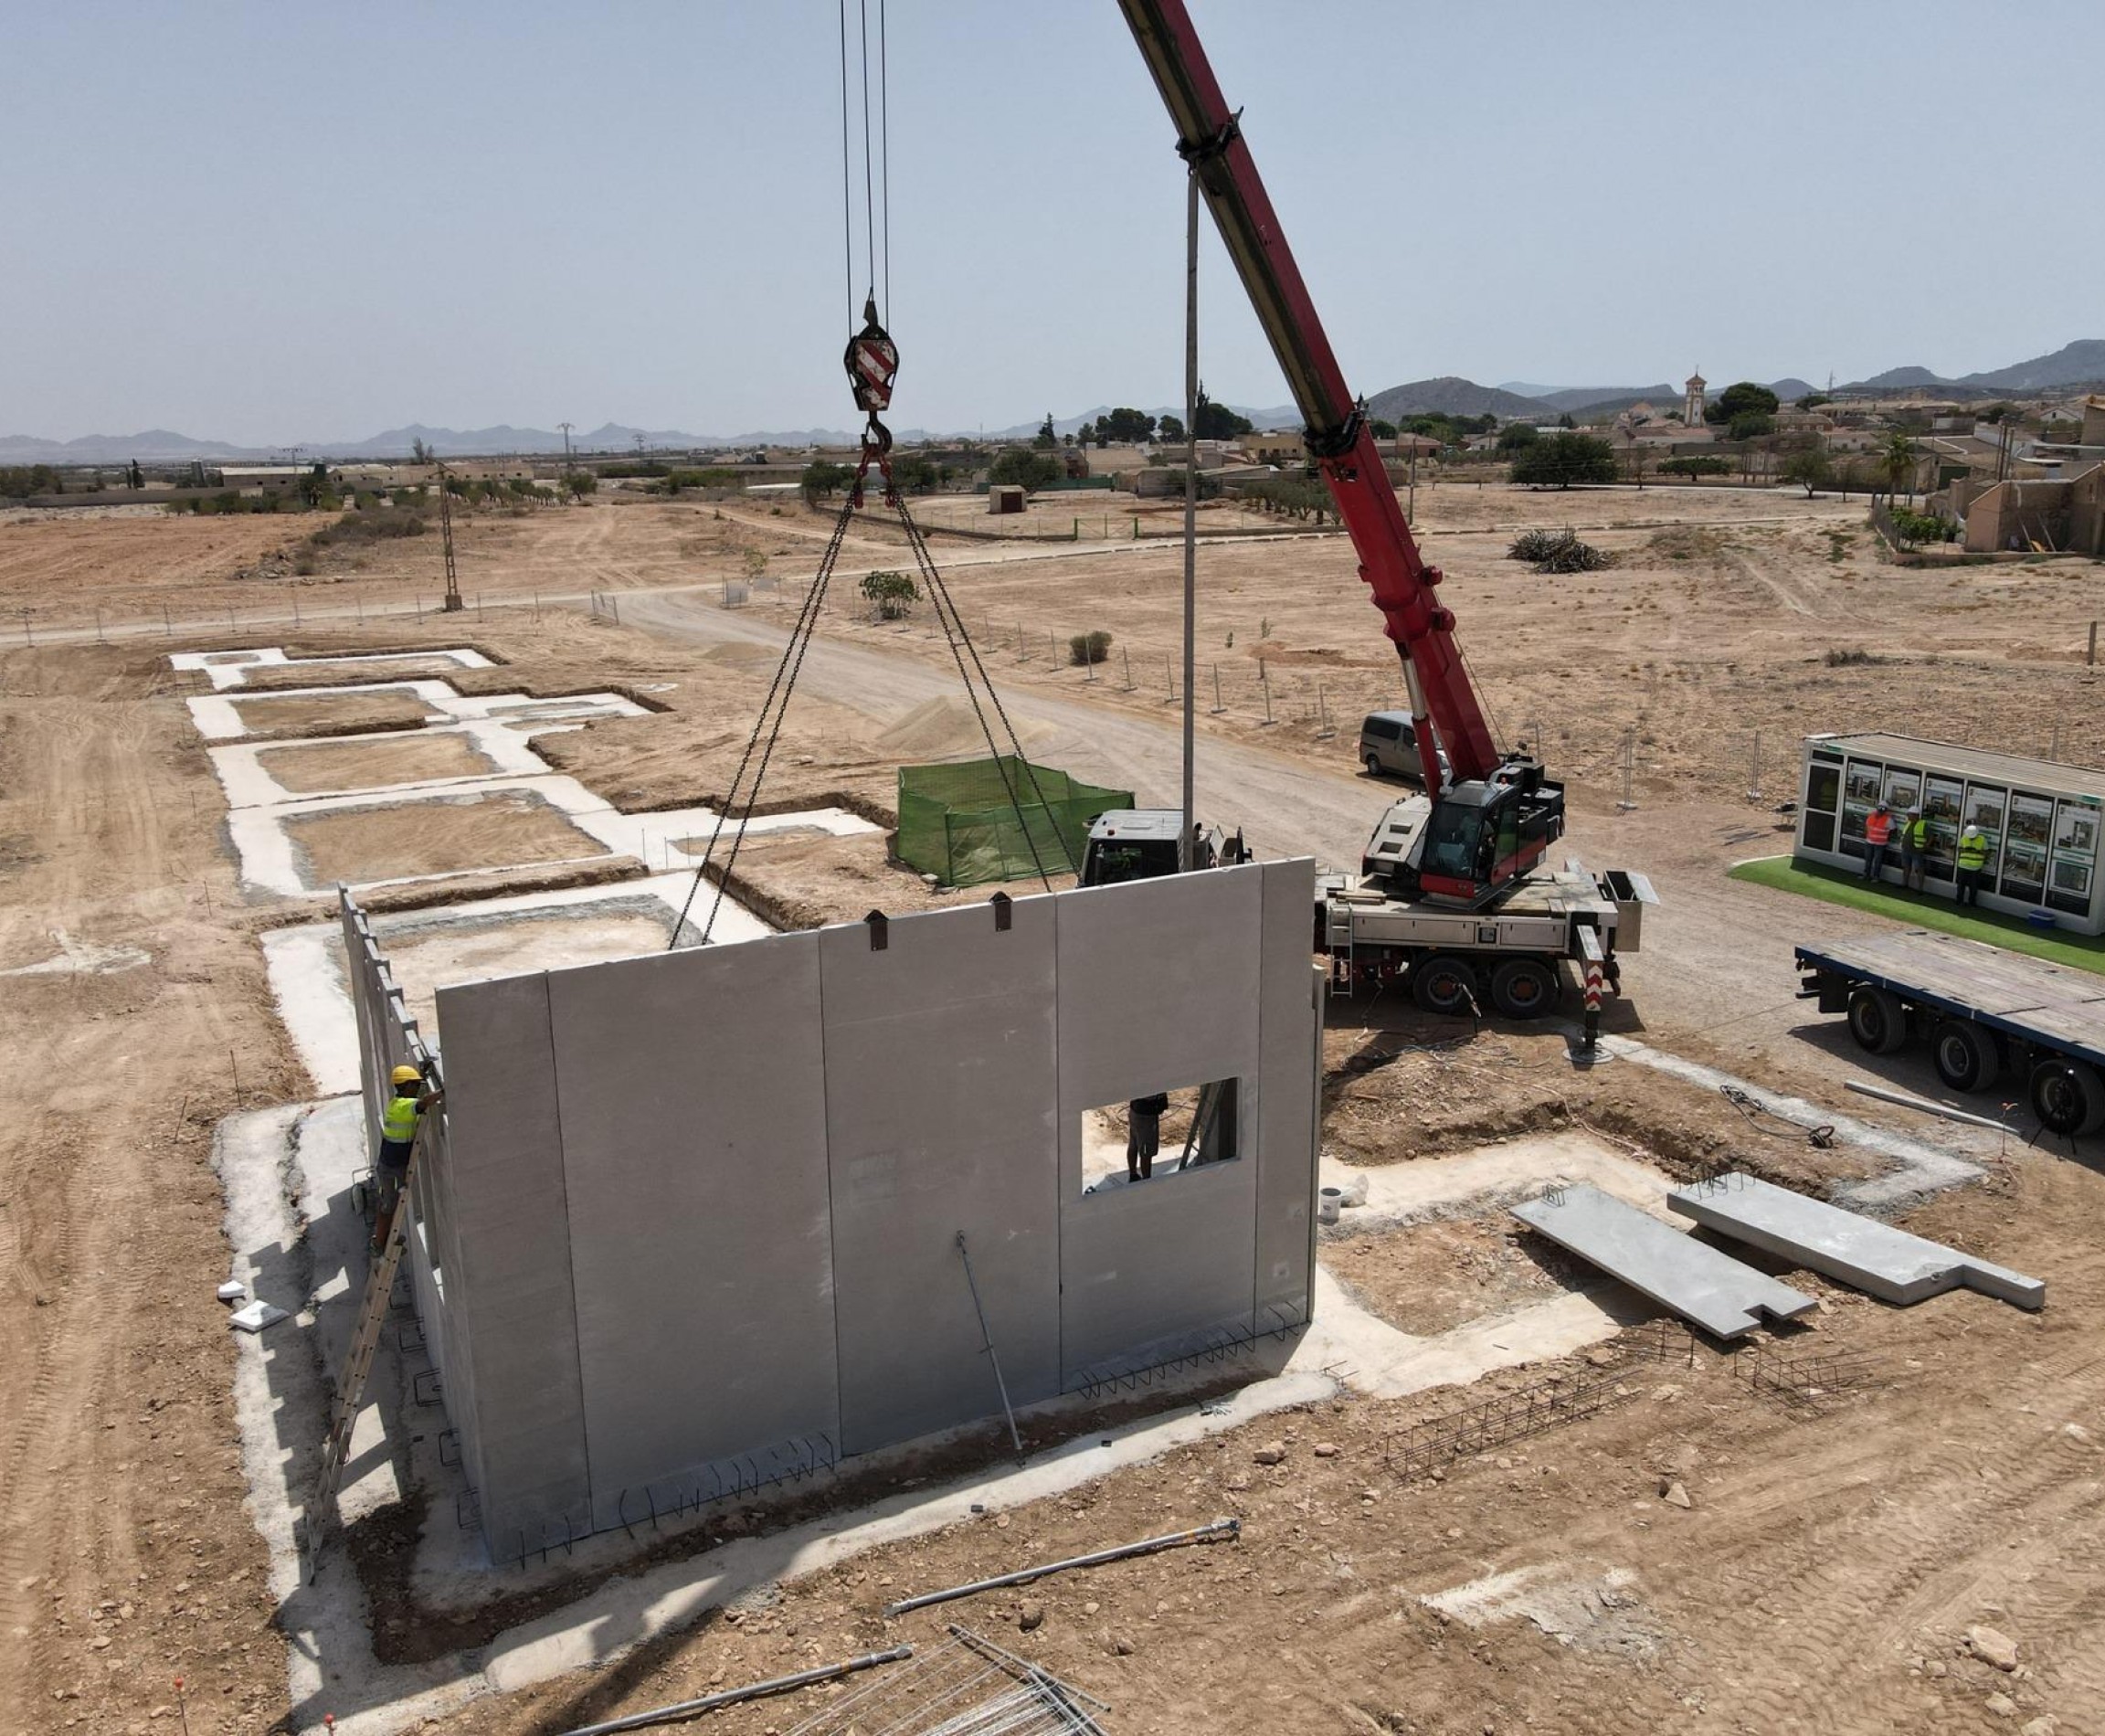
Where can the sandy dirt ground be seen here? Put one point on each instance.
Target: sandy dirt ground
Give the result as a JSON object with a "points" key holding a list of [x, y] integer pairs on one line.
{"points": [[363, 765], [442, 835], [320, 714], [1833, 1555]]}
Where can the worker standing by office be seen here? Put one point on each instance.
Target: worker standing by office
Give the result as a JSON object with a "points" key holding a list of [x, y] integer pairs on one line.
{"points": [[1878, 836], [1973, 859], [408, 1099], [1143, 1134], [1914, 849]]}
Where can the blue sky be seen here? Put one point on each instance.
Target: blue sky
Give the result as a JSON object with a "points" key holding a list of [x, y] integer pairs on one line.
{"points": [[268, 223]]}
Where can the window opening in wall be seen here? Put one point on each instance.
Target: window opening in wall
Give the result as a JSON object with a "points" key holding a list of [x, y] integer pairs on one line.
{"points": [[1160, 1135]]}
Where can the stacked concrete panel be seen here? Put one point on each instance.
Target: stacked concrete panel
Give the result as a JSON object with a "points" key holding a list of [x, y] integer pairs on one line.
{"points": [[701, 1210]]}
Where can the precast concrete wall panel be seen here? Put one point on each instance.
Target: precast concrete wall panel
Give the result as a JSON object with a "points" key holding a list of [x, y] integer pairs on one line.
{"points": [[1290, 1057], [942, 1116], [513, 1293], [693, 1092], [1159, 988]]}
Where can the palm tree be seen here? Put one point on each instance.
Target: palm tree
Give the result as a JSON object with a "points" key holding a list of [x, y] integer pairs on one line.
{"points": [[1899, 457]]}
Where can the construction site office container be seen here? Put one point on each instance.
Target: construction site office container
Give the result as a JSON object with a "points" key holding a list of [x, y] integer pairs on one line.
{"points": [[2042, 821]]}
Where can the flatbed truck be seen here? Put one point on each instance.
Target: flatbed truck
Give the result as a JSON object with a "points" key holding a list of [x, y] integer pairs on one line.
{"points": [[1987, 1014]]}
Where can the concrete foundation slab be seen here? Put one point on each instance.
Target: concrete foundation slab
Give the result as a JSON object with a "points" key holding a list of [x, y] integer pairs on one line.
{"points": [[1699, 1284], [1858, 1251]]}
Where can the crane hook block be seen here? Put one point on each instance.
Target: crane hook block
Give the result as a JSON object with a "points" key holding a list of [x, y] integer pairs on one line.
{"points": [[872, 361]]}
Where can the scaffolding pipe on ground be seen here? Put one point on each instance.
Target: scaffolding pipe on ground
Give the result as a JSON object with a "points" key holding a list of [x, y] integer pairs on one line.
{"points": [[734, 1696], [1174, 1539]]}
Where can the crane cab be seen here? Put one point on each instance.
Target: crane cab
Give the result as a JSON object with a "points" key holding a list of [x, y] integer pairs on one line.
{"points": [[1470, 842]]}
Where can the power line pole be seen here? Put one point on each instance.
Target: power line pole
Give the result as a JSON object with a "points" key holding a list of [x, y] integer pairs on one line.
{"points": [[565, 427], [1187, 853]]}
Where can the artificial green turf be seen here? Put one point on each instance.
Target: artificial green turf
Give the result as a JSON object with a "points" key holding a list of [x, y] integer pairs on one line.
{"points": [[1919, 910]]}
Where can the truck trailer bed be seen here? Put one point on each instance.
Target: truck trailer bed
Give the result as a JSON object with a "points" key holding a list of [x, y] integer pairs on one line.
{"points": [[2048, 1005]]}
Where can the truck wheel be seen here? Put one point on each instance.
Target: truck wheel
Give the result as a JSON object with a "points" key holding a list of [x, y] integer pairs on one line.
{"points": [[1523, 988], [1876, 1019], [1443, 983], [1373, 765], [2067, 1096], [1965, 1055]]}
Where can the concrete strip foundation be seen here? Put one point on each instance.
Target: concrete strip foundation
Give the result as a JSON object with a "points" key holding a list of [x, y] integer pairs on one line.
{"points": [[694, 1224], [1858, 1251], [1698, 1283], [227, 668]]}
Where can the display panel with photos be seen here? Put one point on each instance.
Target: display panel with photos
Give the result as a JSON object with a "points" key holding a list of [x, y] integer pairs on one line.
{"points": [[1941, 798], [1903, 789], [1859, 796], [1984, 805], [2075, 856], [2024, 847]]}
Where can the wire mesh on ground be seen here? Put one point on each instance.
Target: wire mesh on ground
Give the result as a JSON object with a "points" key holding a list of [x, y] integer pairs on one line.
{"points": [[962, 822], [968, 1686], [1510, 1416], [1805, 1385]]}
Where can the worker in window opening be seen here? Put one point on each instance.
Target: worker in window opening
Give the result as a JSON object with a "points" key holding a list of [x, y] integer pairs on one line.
{"points": [[406, 1101], [1878, 836], [1914, 849], [1973, 859], [1143, 1134]]}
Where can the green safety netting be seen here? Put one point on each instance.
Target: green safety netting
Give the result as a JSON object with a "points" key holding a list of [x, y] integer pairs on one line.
{"points": [[958, 823]]}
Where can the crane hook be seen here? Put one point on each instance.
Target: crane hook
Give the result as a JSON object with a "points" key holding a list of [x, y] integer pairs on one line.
{"points": [[872, 361]]}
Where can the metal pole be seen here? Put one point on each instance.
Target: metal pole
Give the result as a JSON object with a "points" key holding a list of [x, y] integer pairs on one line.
{"points": [[1174, 1539], [1218, 706], [1186, 858], [167, 625], [1124, 651], [732, 1696], [1001, 1385], [2090, 656], [1264, 680]]}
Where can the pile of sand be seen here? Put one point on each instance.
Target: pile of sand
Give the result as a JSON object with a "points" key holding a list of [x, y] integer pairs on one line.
{"points": [[945, 729]]}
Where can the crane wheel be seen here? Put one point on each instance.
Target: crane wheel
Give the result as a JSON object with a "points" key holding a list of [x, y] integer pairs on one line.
{"points": [[1523, 988], [1876, 1019], [1444, 983], [1965, 1055], [2067, 1096]]}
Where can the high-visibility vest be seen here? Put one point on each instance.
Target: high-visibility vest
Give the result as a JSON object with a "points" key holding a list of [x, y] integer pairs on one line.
{"points": [[1878, 827], [1919, 833], [1974, 850], [398, 1120]]}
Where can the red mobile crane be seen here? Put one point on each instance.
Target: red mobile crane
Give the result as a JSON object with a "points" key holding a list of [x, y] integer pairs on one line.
{"points": [[1445, 884]]}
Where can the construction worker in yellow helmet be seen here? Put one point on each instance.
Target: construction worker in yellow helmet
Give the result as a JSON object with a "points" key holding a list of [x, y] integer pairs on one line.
{"points": [[407, 1098]]}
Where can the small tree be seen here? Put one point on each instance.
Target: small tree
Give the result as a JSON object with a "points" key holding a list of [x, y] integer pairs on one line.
{"points": [[1809, 467], [579, 483], [1088, 648], [1739, 400], [1516, 435], [1383, 430], [1171, 431], [1123, 426], [1046, 439], [1751, 424], [419, 451], [823, 478], [1560, 459], [1898, 455], [893, 593], [1217, 421], [1021, 465]]}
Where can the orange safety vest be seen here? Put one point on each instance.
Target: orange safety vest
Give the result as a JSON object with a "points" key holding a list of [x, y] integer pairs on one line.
{"points": [[1878, 827]]}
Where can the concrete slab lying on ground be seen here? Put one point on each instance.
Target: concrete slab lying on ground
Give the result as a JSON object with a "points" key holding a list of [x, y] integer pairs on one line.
{"points": [[1860, 1251], [1699, 1284]]}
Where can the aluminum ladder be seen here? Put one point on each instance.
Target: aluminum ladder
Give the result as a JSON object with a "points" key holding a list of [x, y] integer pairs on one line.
{"points": [[321, 1514]]}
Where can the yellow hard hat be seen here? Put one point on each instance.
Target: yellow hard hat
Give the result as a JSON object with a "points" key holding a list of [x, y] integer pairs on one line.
{"points": [[406, 1075]]}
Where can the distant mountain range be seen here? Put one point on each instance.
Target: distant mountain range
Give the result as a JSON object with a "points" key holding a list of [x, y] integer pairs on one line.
{"points": [[2080, 363]]}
